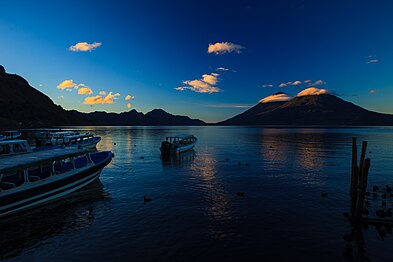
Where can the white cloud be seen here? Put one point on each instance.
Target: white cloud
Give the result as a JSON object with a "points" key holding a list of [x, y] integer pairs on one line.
{"points": [[67, 84], [60, 97], [296, 83], [204, 85], [128, 97], [109, 99], [284, 84], [267, 85], [316, 83], [224, 47], [372, 61], [102, 93], [200, 86], [373, 91], [307, 81], [84, 46], [210, 79], [277, 97], [222, 69], [312, 91], [85, 91]]}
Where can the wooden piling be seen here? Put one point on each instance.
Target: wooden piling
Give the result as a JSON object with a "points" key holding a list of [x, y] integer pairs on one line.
{"points": [[354, 163], [362, 156], [359, 179], [362, 189]]}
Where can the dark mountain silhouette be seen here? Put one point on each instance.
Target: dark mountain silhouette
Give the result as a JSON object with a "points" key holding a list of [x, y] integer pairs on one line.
{"points": [[309, 110], [156, 117], [21, 105]]}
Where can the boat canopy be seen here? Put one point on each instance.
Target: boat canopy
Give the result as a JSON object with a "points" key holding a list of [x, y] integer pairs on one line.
{"points": [[15, 141], [36, 158], [80, 136], [12, 147], [180, 137], [63, 133]]}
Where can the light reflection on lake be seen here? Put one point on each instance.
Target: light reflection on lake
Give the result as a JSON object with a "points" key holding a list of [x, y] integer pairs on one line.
{"points": [[195, 212]]}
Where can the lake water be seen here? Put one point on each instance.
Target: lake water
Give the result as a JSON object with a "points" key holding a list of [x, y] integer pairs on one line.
{"points": [[195, 212]]}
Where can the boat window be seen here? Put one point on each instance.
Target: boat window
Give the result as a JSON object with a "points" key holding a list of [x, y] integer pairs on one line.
{"points": [[12, 179], [19, 148], [4, 149]]}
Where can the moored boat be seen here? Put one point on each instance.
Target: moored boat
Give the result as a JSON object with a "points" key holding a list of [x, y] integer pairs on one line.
{"points": [[19, 146], [177, 144], [13, 134], [87, 141], [14, 147], [61, 137], [36, 178]]}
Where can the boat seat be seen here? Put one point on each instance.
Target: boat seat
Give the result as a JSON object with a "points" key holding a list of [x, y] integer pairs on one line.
{"points": [[7, 185], [34, 175], [62, 168], [11, 181], [34, 178], [80, 162]]}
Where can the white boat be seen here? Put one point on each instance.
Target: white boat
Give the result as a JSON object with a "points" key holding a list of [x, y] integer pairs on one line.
{"points": [[177, 144], [61, 137], [29, 180], [14, 147], [18, 146], [87, 141], [13, 134]]}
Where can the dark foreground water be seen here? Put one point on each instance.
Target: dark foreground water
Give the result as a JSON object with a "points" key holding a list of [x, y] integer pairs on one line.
{"points": [[195, 212]]}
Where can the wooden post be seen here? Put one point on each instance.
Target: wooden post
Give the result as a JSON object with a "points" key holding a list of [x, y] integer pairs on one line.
{"points": [[354, 162], [362, 156], [362, 189]]}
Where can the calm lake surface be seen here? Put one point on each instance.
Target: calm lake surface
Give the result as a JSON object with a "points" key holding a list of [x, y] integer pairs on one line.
{"points": [[195, 212]]}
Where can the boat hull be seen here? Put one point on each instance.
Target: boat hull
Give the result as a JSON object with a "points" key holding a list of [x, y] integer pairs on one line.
{"points": [[184, 148], [40, 193]]}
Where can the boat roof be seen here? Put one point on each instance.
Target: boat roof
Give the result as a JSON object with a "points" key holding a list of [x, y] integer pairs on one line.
{"points": [[10, 131], [80, 136], [63, 132], [35, 158], [15, 141], [181, 136]]}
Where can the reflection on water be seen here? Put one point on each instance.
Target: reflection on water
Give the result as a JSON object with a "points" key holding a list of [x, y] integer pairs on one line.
{"points": [[29, 228], [184, 159], [217, 203], [195, 212]]}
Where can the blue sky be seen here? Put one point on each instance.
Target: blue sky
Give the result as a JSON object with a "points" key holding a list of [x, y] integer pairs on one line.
{"points": [[147, 49]]}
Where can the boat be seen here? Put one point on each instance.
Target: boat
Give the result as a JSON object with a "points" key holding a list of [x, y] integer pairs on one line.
{"points": [[177, 144], [59, 138], [30, 180], [14, 147], [87, 141], [19, 146], [13, 134]]}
